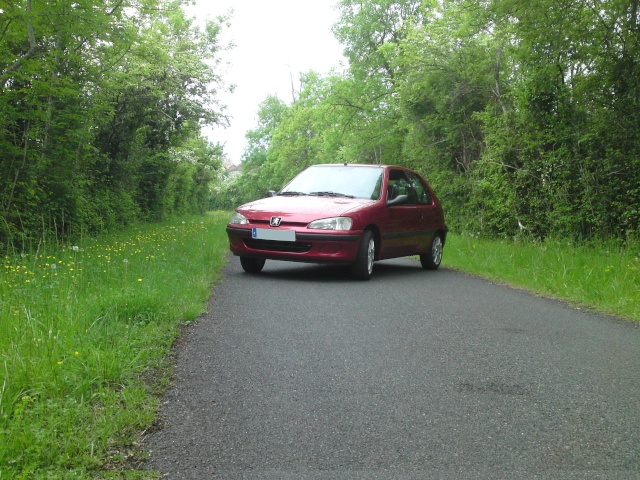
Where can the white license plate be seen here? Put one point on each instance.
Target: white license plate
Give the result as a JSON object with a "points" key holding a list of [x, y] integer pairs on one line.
{"points": [[270, 234]]}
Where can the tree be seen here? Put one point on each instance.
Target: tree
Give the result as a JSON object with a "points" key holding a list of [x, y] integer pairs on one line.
{"points": [[270, 114], [523, 116], [96, 99]]}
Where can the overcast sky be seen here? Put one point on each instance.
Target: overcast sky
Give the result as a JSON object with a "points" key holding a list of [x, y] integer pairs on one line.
{"points": [[275, 40]]}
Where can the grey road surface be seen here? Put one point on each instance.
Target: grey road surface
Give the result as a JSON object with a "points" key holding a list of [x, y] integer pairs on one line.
{"points": [[302, 373]]}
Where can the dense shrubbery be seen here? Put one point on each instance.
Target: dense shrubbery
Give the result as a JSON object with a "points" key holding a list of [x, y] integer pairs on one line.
{"points": [[100, 115], [524, 116]]}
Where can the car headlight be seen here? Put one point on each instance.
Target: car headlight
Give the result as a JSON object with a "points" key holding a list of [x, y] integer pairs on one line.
{"points": [[336, 223], [238, 219]]}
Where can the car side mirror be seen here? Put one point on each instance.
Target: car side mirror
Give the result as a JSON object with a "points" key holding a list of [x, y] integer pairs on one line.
{"points": [[399, 200], [271, 193]]}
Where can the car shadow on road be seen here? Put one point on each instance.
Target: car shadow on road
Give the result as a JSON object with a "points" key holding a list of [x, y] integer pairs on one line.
{"points": [[304, 272]]}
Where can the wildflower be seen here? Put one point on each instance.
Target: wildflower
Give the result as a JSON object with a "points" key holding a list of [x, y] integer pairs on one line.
{"points": [[77, 353], [125, 261], [60, 362], [139, 279], [75, 248], [53, 266]]}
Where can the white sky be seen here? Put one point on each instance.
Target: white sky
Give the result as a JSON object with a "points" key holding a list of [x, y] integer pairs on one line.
{"points": [[275, 40]]}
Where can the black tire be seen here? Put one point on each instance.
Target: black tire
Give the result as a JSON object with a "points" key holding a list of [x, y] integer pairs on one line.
{"points": [[363, 268], [431, 260], [252, 265]]}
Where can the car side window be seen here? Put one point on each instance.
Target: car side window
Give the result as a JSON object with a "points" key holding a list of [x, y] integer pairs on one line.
{"points": [[399, 185], [423, 196]]}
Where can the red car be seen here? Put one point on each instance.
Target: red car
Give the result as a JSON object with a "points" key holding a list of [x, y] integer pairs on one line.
{"points": [[342, 214]]}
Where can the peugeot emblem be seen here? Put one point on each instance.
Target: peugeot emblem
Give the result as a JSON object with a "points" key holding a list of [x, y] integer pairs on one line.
{"points": [[275, 221]]}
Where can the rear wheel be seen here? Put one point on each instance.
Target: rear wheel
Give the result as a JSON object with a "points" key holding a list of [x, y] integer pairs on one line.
{"points": [[252, 265], [363, 268], [431, 260]]}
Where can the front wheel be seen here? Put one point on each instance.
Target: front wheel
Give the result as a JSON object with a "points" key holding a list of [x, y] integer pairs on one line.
{"points": [[363, 268], [252, 265], [431, 260]]}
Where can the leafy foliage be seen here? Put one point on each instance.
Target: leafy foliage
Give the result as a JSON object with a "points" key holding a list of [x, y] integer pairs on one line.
{"points": [[524, 117], [100, 112]]}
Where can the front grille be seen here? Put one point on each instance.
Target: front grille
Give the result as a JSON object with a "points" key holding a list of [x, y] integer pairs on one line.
{"points": [[276, 246], [283, 224]]}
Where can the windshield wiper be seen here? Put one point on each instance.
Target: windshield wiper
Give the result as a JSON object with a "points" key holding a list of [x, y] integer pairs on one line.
{"points": [[331, 194], [291, 193]]}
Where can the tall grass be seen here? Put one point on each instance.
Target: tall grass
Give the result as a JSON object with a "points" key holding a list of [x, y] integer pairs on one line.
{"points": [[83, 328], [601, 276]]}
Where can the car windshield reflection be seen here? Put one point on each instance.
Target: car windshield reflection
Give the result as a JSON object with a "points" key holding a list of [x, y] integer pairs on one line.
{"points": [[337, 181], [292, 193], [331, 194]]}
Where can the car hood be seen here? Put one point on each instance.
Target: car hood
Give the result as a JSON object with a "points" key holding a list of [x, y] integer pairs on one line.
{"points": [[303, 209]]}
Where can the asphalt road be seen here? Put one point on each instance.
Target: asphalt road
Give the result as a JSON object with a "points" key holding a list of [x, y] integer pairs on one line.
{"points": [[302, 373]]}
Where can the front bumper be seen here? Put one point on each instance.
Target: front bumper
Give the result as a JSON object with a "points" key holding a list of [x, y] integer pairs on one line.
{"points": [[335, 247]]}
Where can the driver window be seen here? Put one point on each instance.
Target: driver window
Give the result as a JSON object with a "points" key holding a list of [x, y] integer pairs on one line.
{"points": [[397, 184], [401, 184]]}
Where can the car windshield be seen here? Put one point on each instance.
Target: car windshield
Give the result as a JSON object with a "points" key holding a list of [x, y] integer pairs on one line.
{"points": [[337, 181]]}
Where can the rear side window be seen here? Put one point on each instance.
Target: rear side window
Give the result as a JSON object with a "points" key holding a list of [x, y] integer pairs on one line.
{"points": [[423, 196]]}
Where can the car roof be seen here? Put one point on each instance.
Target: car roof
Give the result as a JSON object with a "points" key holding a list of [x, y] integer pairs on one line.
{"points": [[356, 165]]}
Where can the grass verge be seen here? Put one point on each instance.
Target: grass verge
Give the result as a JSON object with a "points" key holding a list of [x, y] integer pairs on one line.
{"points": [[603, 277], [83, 331]]}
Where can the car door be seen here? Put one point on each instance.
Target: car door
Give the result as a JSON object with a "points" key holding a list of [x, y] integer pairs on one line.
{"points": [[427, 212], [402, 221]]}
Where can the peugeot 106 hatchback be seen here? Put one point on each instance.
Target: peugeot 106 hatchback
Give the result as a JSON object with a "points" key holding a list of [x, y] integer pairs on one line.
{"points": [[342, 214]]}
